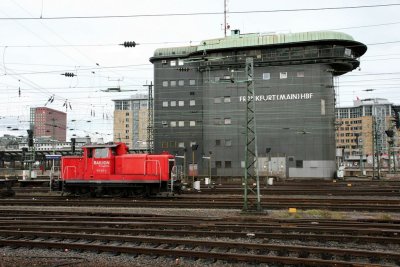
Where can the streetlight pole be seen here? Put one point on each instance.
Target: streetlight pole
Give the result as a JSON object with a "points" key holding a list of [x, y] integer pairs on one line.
{"points": [[209, 165], [267, 150], [194, 148]]}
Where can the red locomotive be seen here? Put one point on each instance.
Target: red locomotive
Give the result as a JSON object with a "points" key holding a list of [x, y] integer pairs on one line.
{"points": [[108, 169]]}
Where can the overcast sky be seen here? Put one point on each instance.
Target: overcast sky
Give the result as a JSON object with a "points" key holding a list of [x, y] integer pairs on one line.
{"points": [[35, 52]]}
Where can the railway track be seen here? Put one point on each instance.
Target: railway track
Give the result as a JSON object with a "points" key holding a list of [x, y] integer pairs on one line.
{"points": [[208, 240], [317, 188], [210, 202]]}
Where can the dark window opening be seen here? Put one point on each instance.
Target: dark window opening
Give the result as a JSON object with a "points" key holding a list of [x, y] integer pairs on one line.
{"points": [[218, 164], [299, 164]]}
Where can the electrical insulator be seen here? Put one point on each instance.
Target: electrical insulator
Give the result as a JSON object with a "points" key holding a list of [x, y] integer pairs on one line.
{"points": [[183, 69], [129, 44], [68, 74]]}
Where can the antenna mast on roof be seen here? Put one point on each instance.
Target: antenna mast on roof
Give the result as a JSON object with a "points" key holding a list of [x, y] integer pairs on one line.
{"points": [[226, 25]]}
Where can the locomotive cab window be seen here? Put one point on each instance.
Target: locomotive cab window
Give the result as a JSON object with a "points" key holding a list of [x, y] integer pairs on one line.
{"points": [[101, 153]]}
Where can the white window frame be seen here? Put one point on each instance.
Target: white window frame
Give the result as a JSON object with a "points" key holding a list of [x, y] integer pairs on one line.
{"points": [[181, 123], [173, 103], [266, 76], [192, 123], [165, 104], [283, 75], [192, 102], [172, 63], [173, 123], [181, 103], [217, 100]]}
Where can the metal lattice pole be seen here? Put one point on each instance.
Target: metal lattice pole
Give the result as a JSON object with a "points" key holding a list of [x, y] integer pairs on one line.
{"points": [[251, 183], [150, 122]]}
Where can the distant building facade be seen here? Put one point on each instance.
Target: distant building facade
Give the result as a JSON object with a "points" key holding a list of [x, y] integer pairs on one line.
{"points": [[361, 131], [49, 122], [199, 99], [131, 120]]}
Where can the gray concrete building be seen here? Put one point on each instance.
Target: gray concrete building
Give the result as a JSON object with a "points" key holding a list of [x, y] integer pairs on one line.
{"points": [[200, 99]]}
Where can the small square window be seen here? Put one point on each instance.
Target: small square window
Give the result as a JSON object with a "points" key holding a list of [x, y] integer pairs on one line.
{"points": [[181, 82], [181, 103], [192, 102], [228, 164], [181, 123], [192, 82], [191, 93], [283, 75], [266, 76], [217, 100], [299, 164], [173, 103], [217, 142], [300, 74], [164, 124], [192, 123], [181, 62], [165, 83], [227, 121], [181, 144], [227, 99], [173, 123], [165, 104], [172, 63], [173, 83], [218, 164], [228, 142]]}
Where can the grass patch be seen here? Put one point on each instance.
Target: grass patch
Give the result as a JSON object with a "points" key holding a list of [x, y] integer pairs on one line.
{"points": [[385, 217], [306, 214]]}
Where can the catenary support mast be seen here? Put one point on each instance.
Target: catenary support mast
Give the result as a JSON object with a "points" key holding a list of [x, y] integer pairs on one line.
{"points": [[251, 183]]}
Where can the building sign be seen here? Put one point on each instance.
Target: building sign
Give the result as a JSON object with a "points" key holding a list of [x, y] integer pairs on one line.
{"points": [[53, 157], [281, 97]]}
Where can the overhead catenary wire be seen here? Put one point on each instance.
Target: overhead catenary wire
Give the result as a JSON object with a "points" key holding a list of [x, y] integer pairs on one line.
{"points": [[71, 91], [200, 13]]}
